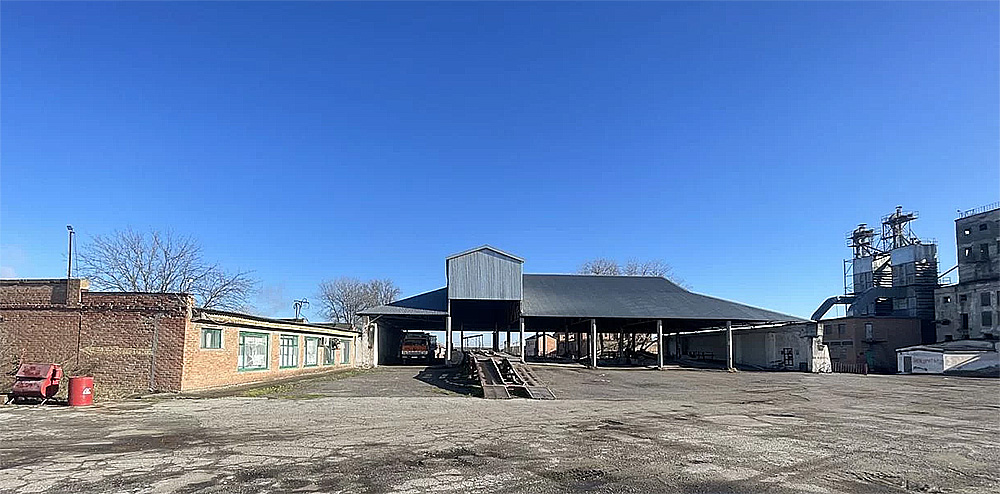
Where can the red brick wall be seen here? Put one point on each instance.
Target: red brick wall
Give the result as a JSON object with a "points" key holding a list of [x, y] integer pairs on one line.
{"points": [[108, 335], [209, 368]]}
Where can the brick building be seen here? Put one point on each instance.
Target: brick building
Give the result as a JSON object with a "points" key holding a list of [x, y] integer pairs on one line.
{"points": [[141, 342], [871, 340]]}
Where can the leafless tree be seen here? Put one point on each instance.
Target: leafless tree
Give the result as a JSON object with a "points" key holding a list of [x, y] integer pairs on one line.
{"points": [[601, 266], [344, 297], [632, 267], [160, 262]]}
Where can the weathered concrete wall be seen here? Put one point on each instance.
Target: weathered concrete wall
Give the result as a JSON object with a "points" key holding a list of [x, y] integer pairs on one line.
{"points": [[958, 363], [953, 301], [978, 240]]}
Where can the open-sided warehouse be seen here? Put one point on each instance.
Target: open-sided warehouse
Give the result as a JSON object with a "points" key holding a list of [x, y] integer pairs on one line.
{"points": [[487, 292], [141, 342]]}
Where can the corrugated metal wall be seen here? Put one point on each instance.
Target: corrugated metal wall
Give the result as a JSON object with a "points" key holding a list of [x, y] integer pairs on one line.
{"points": [[484, 275]]}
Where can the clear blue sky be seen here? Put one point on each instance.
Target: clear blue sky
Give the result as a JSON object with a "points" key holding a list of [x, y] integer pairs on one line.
{"points": [[739, 142]]}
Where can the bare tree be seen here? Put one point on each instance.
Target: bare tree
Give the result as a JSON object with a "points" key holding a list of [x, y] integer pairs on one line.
{"points": [[161, 262], [601, 266], [344, 297], [654, 267], [632, 267]]}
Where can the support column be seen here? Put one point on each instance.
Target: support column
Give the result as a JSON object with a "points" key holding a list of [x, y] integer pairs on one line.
{"points": [[461, 338], [660, 347], [496, 340], [506, 349], [447, 340], [375, 338], [593, 343], [521, 341], [729, 346]]}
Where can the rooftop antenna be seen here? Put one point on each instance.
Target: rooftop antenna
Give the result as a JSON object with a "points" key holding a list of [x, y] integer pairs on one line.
{"points": [[298, 305]]}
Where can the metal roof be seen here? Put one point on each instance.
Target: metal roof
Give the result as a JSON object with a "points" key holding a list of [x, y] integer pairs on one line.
{"points": [[432, 303], [593, 296], [631, 297], [485, 247]]}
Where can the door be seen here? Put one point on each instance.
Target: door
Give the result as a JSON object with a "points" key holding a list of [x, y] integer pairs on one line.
{"points": [[907, 364]]}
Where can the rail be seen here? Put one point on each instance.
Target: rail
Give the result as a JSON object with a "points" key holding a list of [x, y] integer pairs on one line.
{"points": [[980, 209]]}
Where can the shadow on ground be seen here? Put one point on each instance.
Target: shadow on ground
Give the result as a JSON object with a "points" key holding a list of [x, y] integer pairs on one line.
{"points": [[453, 379]]}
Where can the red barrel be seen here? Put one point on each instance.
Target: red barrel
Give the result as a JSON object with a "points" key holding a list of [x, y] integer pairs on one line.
{"points": [[81, 391]]}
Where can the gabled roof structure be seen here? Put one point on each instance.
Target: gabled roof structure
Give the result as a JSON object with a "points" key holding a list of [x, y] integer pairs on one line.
{"points": [[486, 247], [595, 296]]}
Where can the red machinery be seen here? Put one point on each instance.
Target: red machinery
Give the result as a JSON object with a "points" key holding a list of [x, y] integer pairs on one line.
{"points": [[36, 381]]}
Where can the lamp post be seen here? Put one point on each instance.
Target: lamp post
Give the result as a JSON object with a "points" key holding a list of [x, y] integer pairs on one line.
{"points": [[69, 263]]}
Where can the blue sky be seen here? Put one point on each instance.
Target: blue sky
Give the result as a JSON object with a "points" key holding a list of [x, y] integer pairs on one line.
{"points": [[738, 142]]}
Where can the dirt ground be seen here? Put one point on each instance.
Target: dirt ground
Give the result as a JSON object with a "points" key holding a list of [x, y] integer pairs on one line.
{"points": [[412, 430]]}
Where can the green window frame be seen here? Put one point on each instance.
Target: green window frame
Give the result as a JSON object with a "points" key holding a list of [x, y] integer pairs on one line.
{"points": [[288, 355], [254, 351], [329, 353], [314, 361], [345, 351], [211, 339]]}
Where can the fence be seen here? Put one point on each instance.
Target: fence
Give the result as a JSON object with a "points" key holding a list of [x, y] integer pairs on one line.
{"points": [[849, 367]]}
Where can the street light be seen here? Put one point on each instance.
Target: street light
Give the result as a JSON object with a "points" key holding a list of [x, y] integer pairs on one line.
{"points": [[69, 262]]}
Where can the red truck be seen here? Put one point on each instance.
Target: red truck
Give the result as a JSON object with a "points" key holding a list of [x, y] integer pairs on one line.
{"points": [[418, 346]]}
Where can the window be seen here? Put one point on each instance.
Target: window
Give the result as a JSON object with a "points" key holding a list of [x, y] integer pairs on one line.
{"points": [[828, 329], [847, 343], [967, 231], [965, 322], [984, 252], [869, 333], [946, 300], [983, 227], [345, 352], [985, 299], [312, 351], [968, 252], [840, 328], [330, 351], [987, 318], [253, 351], [289, 352], [963, 299], [211, 338]]}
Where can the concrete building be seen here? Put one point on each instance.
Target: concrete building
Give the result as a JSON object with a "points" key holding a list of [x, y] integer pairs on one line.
{"points": [[970, 309], [978, 358], [141, 342], [487, 291]]}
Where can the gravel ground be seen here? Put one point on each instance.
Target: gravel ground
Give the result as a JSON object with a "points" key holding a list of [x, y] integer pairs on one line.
{"points": [[410, 430]]}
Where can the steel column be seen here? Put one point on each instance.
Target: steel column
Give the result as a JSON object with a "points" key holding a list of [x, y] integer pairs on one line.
{"points": [[375, 337], [521, 342], [593, 343], [447, 339], [729, 346], [660, 347]]}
